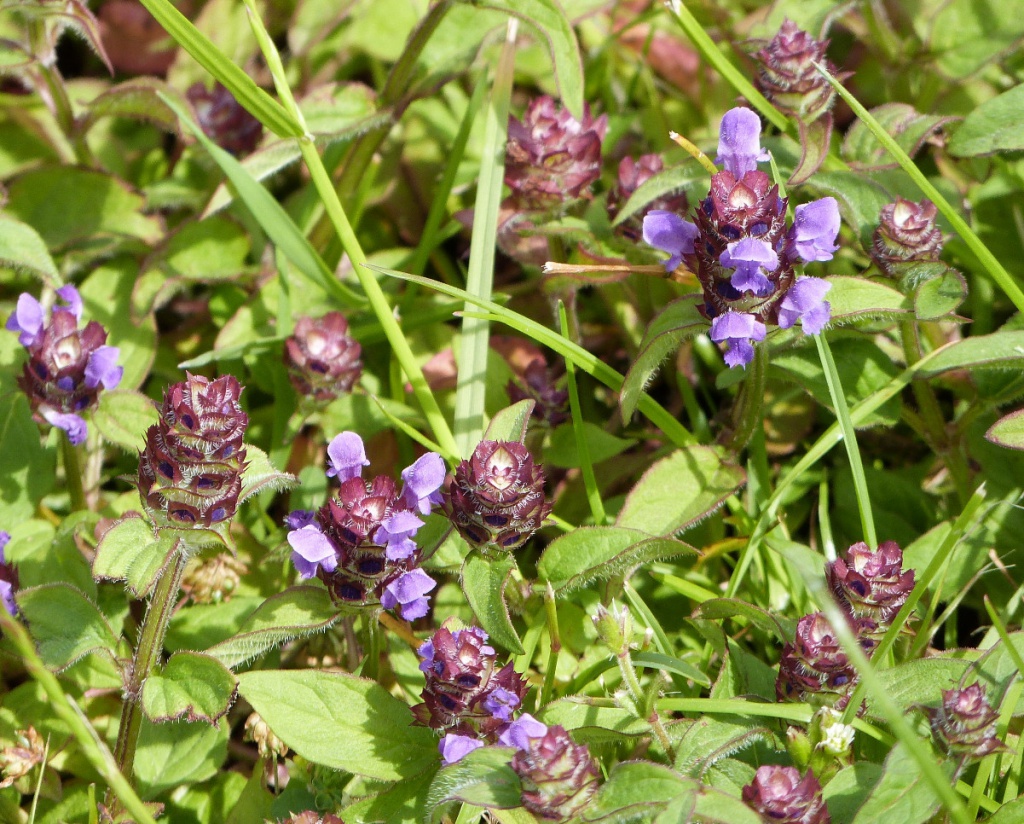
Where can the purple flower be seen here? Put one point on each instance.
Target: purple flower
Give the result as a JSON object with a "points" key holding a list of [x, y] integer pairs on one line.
{"points": [[409, 590], [815, 226], [739, 141], [805, 301], [69, 294], [500, 704], [737, 330], [8, 578], [396, 534], [670, 233], [751, 258], [347, 455], [456, 747], [311, 550], [27, 319], [299, 518], [102, 368], [423, 483], [520, 731], [70, 423]]}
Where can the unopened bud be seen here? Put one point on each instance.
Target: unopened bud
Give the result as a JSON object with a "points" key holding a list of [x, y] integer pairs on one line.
{"points": [[614, 627], [268, 744], [906, 233]]}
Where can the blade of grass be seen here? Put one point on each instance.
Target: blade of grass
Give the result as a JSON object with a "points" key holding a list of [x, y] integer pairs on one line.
{"points": [[582, 449], [92, 746], [974, 243], [256, 101], [474, 340], [585, 360], [346, 235], [849, 435]]}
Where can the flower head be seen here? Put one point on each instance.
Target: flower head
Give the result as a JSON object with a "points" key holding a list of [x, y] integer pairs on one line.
{"points": [[537, 383], [223, 119], [780, 794], [788, 76], [322, 358], [752, 259], [871, 583], [906, 233], [496, 498], [558, 776], [965, 723], [632, 175], [67, 367], [551, 157], [18, 760], [816, 663], [190, 471]]}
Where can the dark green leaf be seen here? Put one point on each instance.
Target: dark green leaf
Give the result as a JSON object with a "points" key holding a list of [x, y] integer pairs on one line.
{"points": [[340, 721], [846, 792], [482, 778], [940, 296], [136, 99], [65, 624], [902, 793], [908, 127], [484, 581], [123, 416], [261, 475], [404, 801], [710, 739], [997, 125], [191, 685], [593, 723], [814, 144], [667, 663], [561, 450], [131, 551], [780, 626], [635, 790], [666, 182], [22, 249], [853, 298], [510, 423], [1000, 350], [294, 613], [170, 755], [26, 468], [679, 491], [593, 553]]}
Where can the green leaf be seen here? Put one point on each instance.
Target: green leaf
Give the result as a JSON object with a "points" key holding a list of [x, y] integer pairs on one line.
{"points": [[710, 739], [69, 206], [680, 490], [997, 125], [191, 685], [131, 551], [561, 449], [940, 296], [717, 807], [65, 624], [510, 423], [782, 627], [1008, 431], [547, 20], [340, 721], [255, 801], [592, 553], [908, 127], [483, 778], [404, 801], [209, 250], [635, 790], [815, 138], [668, 181], [853, 298], [270, 214], [668, 663], [483, 582], [964, 35], [123, 416], [902, 793], [294, 613], [593, 723], [1010, 813], [26, 467], [244, 89], [170, 755], [846, 792], [999, 350], [136, 99], [260, 475], [22, 249], [674, 324], [919, 682]]}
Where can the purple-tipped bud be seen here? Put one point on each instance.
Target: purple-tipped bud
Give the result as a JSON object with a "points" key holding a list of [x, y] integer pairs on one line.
{"points": [[871, 584], [190, 471], [780, 795], [632, 175], [558, 776], [739, 331], [551, 157], [816, 663], [67, 367], [224, 120], [464, 691], [8, 578], [537, 383], [739, 141], [788, 77], [496, 498], [906, 233], [965, 723], [322, 358]]}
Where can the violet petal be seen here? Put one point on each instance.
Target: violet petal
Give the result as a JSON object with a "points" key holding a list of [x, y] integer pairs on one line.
{"points": [[347, 455], [739, 141], [27, 319]]}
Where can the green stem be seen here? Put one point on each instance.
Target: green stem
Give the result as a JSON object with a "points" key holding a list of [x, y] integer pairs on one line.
{"points": [[555, 646], [747, 414], [92, 746], [73, 474], [860, 484], [147, 655], [974, 243], [639, 700]]}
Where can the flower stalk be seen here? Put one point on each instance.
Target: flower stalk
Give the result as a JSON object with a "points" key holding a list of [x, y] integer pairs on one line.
{"points": [[73, 474]]}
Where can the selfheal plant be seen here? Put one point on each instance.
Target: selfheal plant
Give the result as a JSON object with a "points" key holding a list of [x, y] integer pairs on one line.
{"points": [[558, 776], [906, 233], [781, 794], [964, 723], [788, 76], [742, 251], [322, 357], [871, 583], [190, 471], [360, 543], [496, 498], [67, 367]]}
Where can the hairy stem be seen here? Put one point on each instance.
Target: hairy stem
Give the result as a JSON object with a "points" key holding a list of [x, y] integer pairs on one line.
{"points": [[73, 474]]}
